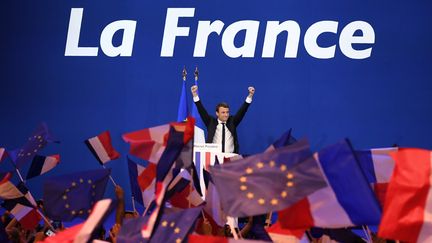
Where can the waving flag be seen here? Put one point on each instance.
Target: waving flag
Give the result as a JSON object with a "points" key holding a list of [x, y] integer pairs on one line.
{"points": [[102, 148], [7, 189], [378, 165], [179, 135], [84, 232], [174, 227], [267, 182], [23, 208], [408, 204], [42, 164], [35, 143], [148, 144], [142, 180], [347, 200], [73, 195]]}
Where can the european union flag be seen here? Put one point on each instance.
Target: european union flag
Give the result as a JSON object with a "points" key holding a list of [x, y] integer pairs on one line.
{"points": [[269, 181], [35, 143], [73, 195], [174, 227]]}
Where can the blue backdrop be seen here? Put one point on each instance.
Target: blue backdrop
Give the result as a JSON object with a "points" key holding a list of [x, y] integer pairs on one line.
{"points": [[376, 101]]}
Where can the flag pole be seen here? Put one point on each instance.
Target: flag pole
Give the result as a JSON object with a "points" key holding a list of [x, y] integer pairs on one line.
{"points": [[112, 180], [133, 204]]}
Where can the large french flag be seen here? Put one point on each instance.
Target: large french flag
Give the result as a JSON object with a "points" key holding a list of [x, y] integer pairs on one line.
{"points": [[102, 148], [407, 212], [42, 164], [348, 199], [378, 166]]}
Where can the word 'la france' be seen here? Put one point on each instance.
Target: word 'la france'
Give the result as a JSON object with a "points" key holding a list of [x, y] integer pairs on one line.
{"points": [[227, 35]]}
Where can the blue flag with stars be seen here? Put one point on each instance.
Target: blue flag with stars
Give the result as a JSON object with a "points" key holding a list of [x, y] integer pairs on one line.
{"points": [[73, 195], [35, 143], [269, 181]]}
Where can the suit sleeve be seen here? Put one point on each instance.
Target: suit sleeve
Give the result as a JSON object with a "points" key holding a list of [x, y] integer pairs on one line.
{"points": [[205, 117], [238, 117]]}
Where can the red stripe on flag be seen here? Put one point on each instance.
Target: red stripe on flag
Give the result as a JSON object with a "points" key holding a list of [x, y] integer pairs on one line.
{"points": [[105, 140], [146, 177], [380, 190], [404, 208], [298, 216], [142, 150], [207, 160]]}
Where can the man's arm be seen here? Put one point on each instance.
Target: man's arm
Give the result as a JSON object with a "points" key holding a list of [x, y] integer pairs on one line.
{"points": [[205, 117], [238, 117]]}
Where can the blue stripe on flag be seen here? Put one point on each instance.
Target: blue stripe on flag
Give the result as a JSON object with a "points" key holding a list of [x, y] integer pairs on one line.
{"points": [[366, 163], [133, 177], [347, 180], [198, 163]]}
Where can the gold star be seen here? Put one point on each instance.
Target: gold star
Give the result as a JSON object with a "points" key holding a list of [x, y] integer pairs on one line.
{"points": [[89, 181], [250, 195], [39, 137], [272, 163], [68, 190], [35, 150], [40, 145], [81, 212], [274, 201], [177, 230], [81, 180], [290, 175], [178, 240], [28, 154], [73, 212], [66, 205], [93, 186], [64, 197], [249, 170], [243, 179], [283, 168], [243, 187], [73, 184], [259, 165], [172, 224], [164, 223], [284, 194], [290, 184], [261, 201]]}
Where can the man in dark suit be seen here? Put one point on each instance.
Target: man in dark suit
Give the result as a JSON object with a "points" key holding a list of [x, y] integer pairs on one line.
{"points": [[222, 129]]}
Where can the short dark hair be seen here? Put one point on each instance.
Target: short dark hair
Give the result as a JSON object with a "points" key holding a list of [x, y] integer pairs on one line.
{"points": [[222, 104]]}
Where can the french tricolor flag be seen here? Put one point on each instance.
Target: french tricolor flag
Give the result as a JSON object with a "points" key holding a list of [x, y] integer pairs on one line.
{"points": [[42, 164], [348, 199], [142, 181], [378, 166], [102, 148], [408, 204]]}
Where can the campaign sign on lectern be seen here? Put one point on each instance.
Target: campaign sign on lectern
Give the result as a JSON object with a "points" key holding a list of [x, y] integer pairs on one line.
{"points": [[204, 157]]}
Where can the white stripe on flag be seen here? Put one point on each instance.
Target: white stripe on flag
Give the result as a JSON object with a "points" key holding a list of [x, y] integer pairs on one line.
{"points": [[9, 191], [324, 206], [383, 164], [19, 211], [426, 230], [93, 220], [99, 149], [49, 163]]}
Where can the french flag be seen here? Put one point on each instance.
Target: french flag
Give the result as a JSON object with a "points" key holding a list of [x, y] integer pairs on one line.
{"points": [[142, 180], [149, 143], [408, 204], [102, 148], [42, 164], [348, 199], [378, 166]]}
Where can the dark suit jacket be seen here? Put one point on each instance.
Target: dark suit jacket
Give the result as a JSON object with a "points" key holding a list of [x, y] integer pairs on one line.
{"points": [[233, 121]]}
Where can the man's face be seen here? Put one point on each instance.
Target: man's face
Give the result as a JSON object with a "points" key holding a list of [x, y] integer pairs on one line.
{"points": [[222, 114]]}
